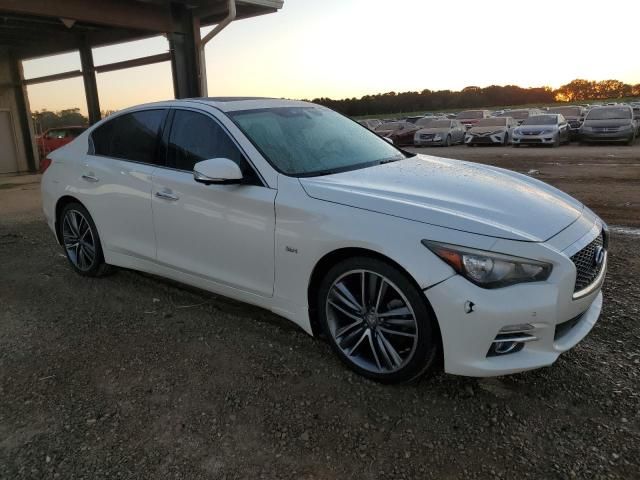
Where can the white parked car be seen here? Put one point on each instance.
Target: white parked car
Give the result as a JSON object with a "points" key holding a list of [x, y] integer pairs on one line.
{"points": [[399, 259]]}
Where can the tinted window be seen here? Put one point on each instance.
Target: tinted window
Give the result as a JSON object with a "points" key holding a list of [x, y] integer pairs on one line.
{"points": [[132, 136], [195, 137]]}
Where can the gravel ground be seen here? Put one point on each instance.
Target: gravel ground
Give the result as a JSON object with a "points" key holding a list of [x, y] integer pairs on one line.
{"points": [[131, 376]]}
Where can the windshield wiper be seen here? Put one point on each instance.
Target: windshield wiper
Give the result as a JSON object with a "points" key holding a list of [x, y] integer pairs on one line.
{"points": [[389, 160]]}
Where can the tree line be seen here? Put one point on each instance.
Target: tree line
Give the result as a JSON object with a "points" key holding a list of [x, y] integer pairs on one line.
{"points": [[578, 90]]}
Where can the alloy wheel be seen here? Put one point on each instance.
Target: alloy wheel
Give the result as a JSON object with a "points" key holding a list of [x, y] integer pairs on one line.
{"points": [[371, 321], [78, 239]]}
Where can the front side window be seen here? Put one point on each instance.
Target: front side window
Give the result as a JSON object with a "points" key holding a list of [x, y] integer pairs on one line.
{"points": [[313, 140], [132, 136], [195, 137]]}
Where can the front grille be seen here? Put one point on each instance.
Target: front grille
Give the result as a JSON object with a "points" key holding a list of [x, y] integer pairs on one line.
{"points": [[530, 140], [532, 132], [606, 129], [587, 269], [426, 136], [482, 140]]}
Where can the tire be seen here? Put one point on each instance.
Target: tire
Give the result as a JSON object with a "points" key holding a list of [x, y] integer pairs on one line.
{"points": [[506, 140], [556, 142], [372, 340], [85, 256], [447, 142], [631, 140]]}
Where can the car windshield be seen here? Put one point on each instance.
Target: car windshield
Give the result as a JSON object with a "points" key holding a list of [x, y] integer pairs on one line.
{"points": [[609, 113], [492, 122], [541, 120], [313, 140], [435, 124], [517, 114], [468, 114], [566, 111]]}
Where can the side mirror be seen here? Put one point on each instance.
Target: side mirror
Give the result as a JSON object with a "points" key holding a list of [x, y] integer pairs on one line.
{"points": [[217, 171]]}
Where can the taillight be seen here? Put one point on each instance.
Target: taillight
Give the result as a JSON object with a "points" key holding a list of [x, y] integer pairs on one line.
{"points": [[44, 164]]}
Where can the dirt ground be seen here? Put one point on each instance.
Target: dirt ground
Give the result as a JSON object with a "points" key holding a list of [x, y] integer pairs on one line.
{"points": [[131, 376]]}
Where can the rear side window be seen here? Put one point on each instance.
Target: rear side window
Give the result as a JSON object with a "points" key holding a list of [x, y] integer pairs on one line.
{"points": [[132, 136], [195, 137]]}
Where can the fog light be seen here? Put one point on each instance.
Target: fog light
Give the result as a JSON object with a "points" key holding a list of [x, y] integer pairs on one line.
{"points": [[506, 347]]}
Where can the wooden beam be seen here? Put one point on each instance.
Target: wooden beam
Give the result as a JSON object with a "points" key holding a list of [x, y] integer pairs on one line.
{"points": [[114, 13], [136, 62], [53, 78]]}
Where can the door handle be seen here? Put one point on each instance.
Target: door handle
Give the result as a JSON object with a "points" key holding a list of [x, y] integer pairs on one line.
{"points": [[167, 196], [90, 178]]}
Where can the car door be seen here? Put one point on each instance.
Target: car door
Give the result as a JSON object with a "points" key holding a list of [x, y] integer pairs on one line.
{"points": [[116, 180], [458, 131], [223, 233]]}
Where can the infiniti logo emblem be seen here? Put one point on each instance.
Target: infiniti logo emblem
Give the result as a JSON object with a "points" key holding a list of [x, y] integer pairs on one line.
{"points": [[598, 256]]}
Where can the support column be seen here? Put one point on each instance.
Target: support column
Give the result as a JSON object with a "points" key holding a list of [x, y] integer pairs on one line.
{"points": [[185, 60], [90, 84], [24, 113]]}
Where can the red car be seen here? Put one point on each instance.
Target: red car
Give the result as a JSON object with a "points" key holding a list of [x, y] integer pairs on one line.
{"points": [[470, 117], [56, 137], [400, 132]]}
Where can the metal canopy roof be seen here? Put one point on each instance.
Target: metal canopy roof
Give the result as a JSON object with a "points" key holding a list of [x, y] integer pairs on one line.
{"points": [[33, 28]]}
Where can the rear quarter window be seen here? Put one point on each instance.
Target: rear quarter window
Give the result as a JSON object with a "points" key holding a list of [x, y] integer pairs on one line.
{"points": [[132, 136]]}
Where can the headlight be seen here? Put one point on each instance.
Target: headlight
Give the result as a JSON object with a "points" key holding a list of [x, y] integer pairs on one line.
{"points": [[517, 131], [489, 269]]}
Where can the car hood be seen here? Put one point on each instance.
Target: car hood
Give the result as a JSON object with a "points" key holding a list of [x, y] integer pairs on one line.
{"points": [[453, 194], [607, 123], [433, 130], [497, 128], [536, 128]]}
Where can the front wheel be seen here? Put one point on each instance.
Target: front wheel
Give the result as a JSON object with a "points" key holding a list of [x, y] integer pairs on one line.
{"points": [[81, 241], [448, 141], [377, 320]]}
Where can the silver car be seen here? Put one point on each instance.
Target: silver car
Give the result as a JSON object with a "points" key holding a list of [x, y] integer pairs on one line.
{"points": [[492, 131], [550, 129], [521, 114], [442, 132]]}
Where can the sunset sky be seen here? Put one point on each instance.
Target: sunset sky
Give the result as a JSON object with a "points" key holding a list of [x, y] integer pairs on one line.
{"points": [[345, 48]]}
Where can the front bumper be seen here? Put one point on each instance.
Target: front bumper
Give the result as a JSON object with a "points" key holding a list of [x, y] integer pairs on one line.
{"points": [[623, 136], [533, 139], [556, 315], [495, 139]]}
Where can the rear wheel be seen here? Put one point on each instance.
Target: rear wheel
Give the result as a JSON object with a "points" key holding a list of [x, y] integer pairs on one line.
{"points": [[81, 241], [377, 320]]}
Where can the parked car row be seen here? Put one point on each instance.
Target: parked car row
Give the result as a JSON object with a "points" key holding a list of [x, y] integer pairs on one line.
{"points": [[551, 126]]}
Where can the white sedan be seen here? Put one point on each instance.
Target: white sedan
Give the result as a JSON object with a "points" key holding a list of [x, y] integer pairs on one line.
{"points": [[404, 262]]}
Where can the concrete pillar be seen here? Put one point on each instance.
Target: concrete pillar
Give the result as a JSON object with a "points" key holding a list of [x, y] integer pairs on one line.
{"points": [[23, 111], [185, 60], [90, 84]]}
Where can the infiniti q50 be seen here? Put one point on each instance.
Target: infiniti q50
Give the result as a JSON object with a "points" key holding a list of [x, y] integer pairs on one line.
{"points": [[403, 262]]}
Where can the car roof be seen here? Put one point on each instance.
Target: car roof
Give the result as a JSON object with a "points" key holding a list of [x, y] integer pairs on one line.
{"points": [[230, 104]]}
